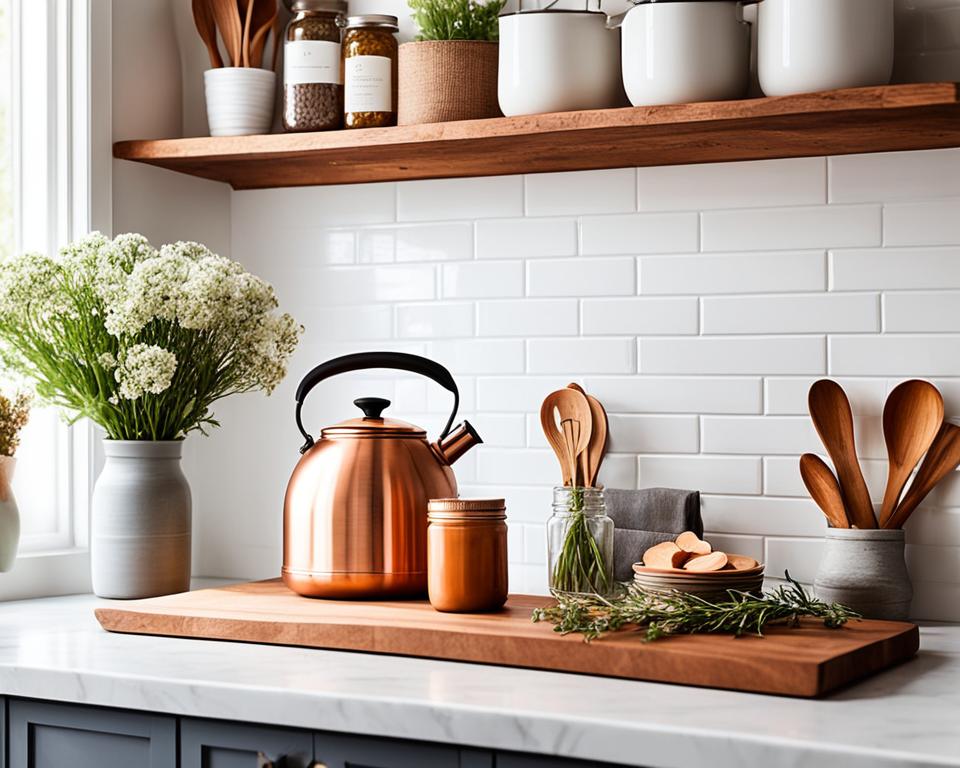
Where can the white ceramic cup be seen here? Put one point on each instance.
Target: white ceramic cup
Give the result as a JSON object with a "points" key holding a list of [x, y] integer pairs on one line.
{"points": [[558, 61], [239, 100], [678, 52], [820, 45]]}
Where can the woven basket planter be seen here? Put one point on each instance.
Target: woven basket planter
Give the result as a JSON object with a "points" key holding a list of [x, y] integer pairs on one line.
{"points": [[443, 80]]}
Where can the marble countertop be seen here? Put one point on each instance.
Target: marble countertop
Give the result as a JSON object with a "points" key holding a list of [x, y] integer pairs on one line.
{"points": [[908, 716]]}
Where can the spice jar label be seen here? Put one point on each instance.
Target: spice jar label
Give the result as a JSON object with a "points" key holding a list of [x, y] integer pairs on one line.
{"points": [[367, 86], [311, 61]]}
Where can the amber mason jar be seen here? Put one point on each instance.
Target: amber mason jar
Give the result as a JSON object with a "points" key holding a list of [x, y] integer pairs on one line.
{"points": [[467, 554], [312, 80], [370, 72]]}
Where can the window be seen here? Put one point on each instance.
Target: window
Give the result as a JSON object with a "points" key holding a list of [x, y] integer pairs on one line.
{"points": [[47, 119]]}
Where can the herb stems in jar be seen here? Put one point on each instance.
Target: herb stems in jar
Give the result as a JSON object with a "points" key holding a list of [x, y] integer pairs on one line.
{"points": [[580, 540]]}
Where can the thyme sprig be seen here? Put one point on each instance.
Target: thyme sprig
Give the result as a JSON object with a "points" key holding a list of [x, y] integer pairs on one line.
{"points": [[680, 613]]}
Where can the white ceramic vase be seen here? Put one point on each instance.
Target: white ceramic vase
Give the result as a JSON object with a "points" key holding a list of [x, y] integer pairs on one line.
{"points": [[239, 100], [140, 521], [9, 515]]}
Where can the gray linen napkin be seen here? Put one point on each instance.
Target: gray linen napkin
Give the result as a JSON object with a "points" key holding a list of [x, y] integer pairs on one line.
{"points": [[647, 517]]}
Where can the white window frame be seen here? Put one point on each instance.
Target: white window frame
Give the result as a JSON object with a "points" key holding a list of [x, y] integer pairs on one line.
{"points": [[79, 185]]}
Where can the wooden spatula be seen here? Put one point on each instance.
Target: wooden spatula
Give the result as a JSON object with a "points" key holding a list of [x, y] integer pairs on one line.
{"points": [[207, 29], [227, 17], [942, 459], [265, 13], [830, 411], [912, 417], [824, 489], [592, 458]]}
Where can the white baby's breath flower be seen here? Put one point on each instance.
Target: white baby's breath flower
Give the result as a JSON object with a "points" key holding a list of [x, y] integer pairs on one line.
{"points": [[144, 369], [107, 361]]}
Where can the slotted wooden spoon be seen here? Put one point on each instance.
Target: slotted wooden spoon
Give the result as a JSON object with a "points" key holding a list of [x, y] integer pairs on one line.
{"points": [[830, 411], [207, 29], [592, 458], [824, 489], [912, 417], [560, 406], [942, 459]]}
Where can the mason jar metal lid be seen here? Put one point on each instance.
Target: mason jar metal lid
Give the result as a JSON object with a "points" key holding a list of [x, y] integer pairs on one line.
{"points": [[380, 20], [334, 6], [447, 509]]}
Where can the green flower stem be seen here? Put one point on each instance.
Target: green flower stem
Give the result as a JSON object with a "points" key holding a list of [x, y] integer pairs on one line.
{"points": [[580, 565]]}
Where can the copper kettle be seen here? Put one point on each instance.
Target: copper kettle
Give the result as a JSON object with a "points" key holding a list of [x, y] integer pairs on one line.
{"points": [[355, 512]]}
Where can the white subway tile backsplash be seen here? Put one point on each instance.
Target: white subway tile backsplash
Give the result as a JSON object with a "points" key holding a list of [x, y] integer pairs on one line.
{"points": [[751, 546], [502, 430], [900, 355], [434, 320], [736, 273], [733, 185], [479, 198], [374, 321], [780, 516], [658, 394], [517, 394], [639, 233], [893, 269], [799, 557], [788, 396], [618, 471], [629, 433], [361, 285], [759, 435], [526, 466], [821, 226], [479, 355], [921, 312], [581, 277], [796, 313], [781, 475], [573, 356], [535, 545], [928, 223], [549, 317], [526, 238], [885, 177], [739, 355], [417, 242], [482, 280], [554, 194], [707, 474], [642, 317], [334, 206]]}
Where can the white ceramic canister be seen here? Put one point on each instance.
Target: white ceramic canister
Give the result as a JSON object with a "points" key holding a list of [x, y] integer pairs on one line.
{"points": [[558, 61], [820, 45], [680, 51], [240, 100]]}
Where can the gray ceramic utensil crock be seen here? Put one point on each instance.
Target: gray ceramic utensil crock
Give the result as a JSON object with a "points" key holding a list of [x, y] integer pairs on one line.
{"points": [[865, 570], [140, 521]]}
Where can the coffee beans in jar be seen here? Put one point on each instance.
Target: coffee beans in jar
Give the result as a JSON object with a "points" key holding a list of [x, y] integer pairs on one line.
{"points": [[312, 80], [370, 71]]}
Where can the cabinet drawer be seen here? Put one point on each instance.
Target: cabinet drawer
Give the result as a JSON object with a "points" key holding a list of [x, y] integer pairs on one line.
{"points": [[217, 744], [43, 735], [342, 751], [518, 760]]}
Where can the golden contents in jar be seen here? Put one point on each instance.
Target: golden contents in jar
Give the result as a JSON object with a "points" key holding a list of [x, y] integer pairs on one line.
{"points": [[370, 73]]}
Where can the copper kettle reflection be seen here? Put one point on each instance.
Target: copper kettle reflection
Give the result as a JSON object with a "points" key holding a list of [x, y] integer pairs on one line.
{"points": [[355, 512]]}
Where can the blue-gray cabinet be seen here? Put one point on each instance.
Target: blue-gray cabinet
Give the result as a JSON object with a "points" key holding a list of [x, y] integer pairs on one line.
{"points": [[45, 735], [218, 744]]}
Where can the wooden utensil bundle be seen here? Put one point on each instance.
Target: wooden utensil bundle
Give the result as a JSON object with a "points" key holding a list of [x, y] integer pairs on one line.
{"points": [[243, 25], [575, 425], [914, 428]]}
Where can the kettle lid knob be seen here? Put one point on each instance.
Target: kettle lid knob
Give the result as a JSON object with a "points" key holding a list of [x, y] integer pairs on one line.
{"points": [[372, 407]]}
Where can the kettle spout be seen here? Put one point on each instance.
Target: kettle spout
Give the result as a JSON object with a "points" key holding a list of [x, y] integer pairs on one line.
{"points": [[458, 442]]}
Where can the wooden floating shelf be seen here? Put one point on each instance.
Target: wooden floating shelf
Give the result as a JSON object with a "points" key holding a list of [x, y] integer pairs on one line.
{"points": [[857, 120]]}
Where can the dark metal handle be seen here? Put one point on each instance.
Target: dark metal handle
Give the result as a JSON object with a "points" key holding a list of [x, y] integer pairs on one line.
{"points": [[400, 361]]}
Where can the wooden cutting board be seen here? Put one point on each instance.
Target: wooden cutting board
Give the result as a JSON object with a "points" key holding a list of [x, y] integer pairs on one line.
{"points": [[809, 661]]}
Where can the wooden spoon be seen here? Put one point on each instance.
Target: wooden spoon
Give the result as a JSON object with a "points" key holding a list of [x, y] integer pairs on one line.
{"points": [[207, 29], [592, 458], [264, 15], [942, 459], [824, 489], [911, 420], [830, 411], [559, 406], [231, 30]]}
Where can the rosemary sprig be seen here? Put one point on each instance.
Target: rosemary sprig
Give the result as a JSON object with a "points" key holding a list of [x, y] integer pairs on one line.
{"points": [[680, 613], [580, 565]]}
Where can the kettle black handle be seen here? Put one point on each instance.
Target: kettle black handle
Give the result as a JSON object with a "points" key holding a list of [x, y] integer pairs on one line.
{"points": [[400, 361]]}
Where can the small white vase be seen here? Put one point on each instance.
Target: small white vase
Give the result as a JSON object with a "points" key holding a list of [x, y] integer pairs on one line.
{"points": [[9, 515], [140, 521], [239, 100]]}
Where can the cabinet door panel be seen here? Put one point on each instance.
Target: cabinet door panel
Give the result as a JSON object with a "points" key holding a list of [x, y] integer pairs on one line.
{"points": [[217, 744], [517, 760], [343, 751], [3, 732], [43, 735]]}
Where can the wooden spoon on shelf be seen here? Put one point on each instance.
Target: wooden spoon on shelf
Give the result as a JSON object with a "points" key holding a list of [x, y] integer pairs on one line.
{"points": [[824, 489], [830, 411], [207, 29], [912, 417], [942, 459], [265, 13], [227, 17]]}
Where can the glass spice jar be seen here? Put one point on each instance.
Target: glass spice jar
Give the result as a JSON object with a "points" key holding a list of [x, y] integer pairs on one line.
{"points": [[580, 543], [312, 81], [370, 71], [467, 554]]}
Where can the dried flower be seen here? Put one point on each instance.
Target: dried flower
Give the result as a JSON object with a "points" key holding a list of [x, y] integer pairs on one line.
{"points": [[13, 418]]}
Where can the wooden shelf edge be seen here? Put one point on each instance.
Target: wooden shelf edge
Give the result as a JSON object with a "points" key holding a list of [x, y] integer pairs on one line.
{"points": [[882, 118]]}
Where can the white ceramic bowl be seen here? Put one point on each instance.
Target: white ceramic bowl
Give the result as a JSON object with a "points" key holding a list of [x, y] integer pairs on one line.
{"points": [[239, 100]]}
